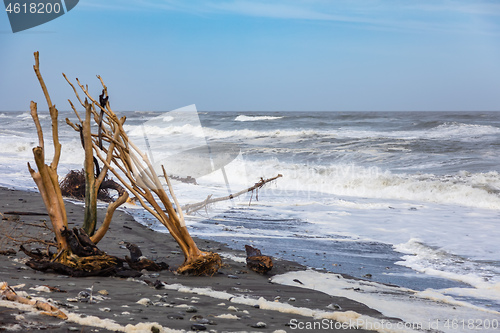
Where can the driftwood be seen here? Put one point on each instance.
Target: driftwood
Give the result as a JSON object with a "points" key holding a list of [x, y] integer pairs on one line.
{"points": [[258, 262], [8, 252], [88, 260], [48, 309], [24, 213], [46, 177], [77, 254], [134, 171], [191, 208], [138, 262], [34, 254]]}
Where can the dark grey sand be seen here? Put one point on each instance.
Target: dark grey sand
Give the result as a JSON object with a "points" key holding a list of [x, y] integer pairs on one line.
{"points": [[169, 308]]}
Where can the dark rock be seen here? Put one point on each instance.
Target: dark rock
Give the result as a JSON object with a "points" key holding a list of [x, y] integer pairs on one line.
{"points": [[175, 316], [191, 309], [198, 327]]}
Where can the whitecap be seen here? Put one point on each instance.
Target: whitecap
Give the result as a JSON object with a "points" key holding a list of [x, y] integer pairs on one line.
{"points": [[256, 118]]}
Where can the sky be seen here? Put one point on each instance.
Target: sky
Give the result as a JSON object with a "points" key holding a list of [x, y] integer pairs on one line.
{"points": [[274, 55]]}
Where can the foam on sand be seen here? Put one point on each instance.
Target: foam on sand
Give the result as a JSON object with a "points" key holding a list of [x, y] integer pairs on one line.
{"points": [[94, 321], [428, 309], [349, 319]]}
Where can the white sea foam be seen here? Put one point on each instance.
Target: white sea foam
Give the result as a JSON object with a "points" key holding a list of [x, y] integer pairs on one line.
{"points": [[152, 130], [452, 130], [419, 309], [350, 318], [256, 118], [473, 190], [342, 190], [438, 262]]}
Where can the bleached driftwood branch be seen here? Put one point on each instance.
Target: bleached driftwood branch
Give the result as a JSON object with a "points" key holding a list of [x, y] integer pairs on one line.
{"points": [[191, 208]]}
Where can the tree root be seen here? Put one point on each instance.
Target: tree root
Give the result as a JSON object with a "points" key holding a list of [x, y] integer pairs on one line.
{"points": [[207, 264], [85, 259]]}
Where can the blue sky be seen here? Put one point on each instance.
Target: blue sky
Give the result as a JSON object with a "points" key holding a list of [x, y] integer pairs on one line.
{"points": [[275, 55]]}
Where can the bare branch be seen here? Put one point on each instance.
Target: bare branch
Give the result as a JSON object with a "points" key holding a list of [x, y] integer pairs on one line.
{"points": [[74, 90], [190, 208], [34, 115], [171, 190]]}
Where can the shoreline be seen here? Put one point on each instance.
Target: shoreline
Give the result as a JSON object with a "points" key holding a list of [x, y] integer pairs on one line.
{"points": [[236, 299]]}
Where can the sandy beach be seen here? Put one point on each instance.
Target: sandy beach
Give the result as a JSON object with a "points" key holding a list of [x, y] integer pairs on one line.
{"points": [[234, 300]]}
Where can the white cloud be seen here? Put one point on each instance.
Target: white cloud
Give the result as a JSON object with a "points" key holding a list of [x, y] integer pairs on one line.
{"points": [[422, 15]]}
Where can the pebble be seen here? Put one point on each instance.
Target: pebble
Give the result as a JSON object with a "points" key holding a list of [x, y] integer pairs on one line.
{"points": [[144, 301], [103, 292], [291, 299], [334, 307], [175, 252], [233, 277], [191, 309], [197, 318], [260, 324], [198, 327], [175, 316]]}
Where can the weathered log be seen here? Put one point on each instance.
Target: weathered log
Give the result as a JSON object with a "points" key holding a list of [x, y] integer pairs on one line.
{"points": [[191, 208], [25, 213], [256, 261], [9, 294]]}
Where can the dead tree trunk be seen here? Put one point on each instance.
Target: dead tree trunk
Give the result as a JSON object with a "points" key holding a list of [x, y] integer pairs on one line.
{"points": [[134, 170], [47, 181], [46, 177]]}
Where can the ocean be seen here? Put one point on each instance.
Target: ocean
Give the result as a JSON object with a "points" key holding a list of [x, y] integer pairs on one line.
{"points": [[407, 199]]}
